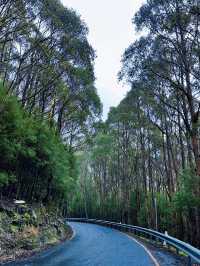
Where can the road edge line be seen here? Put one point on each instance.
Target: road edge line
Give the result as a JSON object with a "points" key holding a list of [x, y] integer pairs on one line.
{"points": [[145, 248], [131, 238]]}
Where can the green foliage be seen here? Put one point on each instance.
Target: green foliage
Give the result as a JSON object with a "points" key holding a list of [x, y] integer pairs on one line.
{"points": [[142, 216], [50, 66], [165, 212], [6, 178], [102, 146], [32, 154], [186, 198]]}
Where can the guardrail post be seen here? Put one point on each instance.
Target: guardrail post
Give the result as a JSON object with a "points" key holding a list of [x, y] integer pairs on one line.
{"points": [[177, 251], [157, 241], [189, 261]]}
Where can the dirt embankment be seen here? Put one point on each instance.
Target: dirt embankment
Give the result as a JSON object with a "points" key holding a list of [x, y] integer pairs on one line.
{"points": [[26, 230]]}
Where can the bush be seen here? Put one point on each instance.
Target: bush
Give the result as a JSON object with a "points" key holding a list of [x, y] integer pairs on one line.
{"points": [[34, 163]]}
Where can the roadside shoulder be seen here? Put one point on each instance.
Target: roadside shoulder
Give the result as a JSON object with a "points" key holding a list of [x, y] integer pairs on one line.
{"points": [[164, 256]]}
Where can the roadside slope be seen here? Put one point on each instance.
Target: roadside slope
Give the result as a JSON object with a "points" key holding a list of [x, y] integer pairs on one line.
{"points": [[26, 230]]}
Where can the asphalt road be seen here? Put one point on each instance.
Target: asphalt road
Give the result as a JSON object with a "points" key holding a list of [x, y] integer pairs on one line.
{"points": [[92, 245]]}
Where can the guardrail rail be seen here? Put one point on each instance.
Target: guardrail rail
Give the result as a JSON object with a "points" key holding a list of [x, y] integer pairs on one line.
{"points": [[192, 252]]}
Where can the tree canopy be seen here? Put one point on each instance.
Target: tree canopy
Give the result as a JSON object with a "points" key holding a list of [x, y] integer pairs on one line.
{"points": [[48, 99]]}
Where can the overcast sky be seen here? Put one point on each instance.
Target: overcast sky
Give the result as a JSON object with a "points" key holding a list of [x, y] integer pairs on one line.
{"points": [[110, 32]]}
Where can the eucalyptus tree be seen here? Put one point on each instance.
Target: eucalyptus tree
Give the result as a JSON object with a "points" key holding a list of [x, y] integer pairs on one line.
{"points": [[47, 62], [166, 61], [169, 55]]}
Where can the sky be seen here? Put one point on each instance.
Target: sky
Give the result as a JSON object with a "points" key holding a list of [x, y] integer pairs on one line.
{"points": [[110, 33]]}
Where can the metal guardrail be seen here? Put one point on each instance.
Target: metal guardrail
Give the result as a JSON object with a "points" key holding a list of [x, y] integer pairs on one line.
{"points": [[192, 252]]}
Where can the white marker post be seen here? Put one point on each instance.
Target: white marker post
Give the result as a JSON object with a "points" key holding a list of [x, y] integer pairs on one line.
{"points": [[164, 243]]}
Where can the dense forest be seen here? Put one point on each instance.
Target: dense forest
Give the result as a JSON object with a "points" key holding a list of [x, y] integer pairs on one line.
{"points": [[143, 167], [48, 101], [140, 166]]}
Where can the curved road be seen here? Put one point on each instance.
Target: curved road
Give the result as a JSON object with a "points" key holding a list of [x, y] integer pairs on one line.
{"points": [[92, 245]]}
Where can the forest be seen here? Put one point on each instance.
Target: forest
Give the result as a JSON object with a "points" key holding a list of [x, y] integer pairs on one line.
{"points": [[48, 100], [142, 165]]}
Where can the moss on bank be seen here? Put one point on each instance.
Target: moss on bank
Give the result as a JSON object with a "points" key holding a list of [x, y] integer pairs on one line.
{"points": [[25, 230]]}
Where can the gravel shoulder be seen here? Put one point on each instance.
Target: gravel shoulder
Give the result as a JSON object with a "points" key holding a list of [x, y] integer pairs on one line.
{"points": [[164, 255]]}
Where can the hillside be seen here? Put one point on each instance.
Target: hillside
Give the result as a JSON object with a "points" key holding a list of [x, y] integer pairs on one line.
{"points": [[26, 230]]}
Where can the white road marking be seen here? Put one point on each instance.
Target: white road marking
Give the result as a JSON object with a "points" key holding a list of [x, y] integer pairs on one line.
{"points": [[131, 238], [146, 249]]}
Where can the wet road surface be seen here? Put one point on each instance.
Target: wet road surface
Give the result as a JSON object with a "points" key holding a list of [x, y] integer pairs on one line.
{"points": [[93, 245]]}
